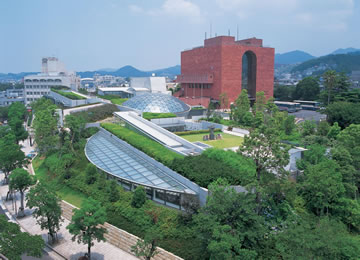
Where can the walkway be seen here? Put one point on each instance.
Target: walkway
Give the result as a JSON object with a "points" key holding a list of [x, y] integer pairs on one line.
{"points": [[66, 247], [159, 134]]}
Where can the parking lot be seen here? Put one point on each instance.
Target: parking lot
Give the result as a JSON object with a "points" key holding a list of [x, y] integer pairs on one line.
{"points": [[309, 115]]}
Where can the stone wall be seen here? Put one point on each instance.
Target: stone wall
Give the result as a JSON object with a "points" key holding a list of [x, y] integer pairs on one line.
{"points": [[118, 237]]}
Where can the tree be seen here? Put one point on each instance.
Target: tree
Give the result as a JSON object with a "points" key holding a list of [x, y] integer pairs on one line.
{"points": [[323, 128], [14, 243], [228, 225], [344, 113], [307, 89], [17, 126], [139, 197], [260, 103], [91, 173], [224, 100], [147, 247], [263, 146], [84, 225], [289, 124], [45, 125], [241, 107], [113, 191], [17, 110], [11, 155], [330, 79], [334, 131], [47, 208], [76, 125], [21, 180], [316, 238], [210, 110], [322, 187], [349, 138], [283, 93]]}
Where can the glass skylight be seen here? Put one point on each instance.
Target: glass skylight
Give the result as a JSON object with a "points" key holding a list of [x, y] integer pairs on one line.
{"points": [[114, 157], [157, 103]]}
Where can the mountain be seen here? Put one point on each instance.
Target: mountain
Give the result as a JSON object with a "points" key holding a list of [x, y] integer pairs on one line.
{"points": [[345, 51], [292, 57], [130, 71], [339, 62]]}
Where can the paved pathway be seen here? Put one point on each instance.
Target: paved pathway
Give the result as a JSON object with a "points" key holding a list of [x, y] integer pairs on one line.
{"points": [[67, 248]]}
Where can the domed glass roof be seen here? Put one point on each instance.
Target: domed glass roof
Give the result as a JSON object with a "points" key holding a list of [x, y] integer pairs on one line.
{"points": [[157, 103]]}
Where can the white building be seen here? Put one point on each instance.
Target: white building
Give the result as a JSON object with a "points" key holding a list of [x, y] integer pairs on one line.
{"points": [[53, 73], [137, 87], [149, 84]]}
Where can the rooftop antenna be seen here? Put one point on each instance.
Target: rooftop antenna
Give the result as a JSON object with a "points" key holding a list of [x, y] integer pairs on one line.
{"points": [[237, 32], [210, 29]]}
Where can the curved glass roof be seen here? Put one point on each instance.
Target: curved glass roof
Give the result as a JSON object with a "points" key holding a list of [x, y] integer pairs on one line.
{"points": [[119, 159], [157, 103]]}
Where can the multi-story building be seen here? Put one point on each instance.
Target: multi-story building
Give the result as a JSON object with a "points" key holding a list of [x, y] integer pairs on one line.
{"points": [[53, 73], [224, 65], [10, 96]]}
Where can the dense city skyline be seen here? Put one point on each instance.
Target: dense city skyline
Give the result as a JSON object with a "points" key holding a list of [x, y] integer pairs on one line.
{"points": [[90, 35]]}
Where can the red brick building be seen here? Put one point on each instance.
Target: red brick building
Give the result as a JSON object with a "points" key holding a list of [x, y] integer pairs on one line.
{"points": [[224, 65]]}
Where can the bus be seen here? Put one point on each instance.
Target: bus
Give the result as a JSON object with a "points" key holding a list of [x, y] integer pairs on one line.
{"points": [[308, 105], [290, 107]]}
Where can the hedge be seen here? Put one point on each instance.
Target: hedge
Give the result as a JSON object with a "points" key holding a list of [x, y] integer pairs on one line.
{"points": [[149, 116], [69, 95], [205, 131], [144, 144]]}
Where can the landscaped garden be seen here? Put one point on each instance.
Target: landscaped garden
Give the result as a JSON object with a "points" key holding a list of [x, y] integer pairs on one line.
{"points": [[149, 116], [114, 99], [226, 141], [70, 95]]}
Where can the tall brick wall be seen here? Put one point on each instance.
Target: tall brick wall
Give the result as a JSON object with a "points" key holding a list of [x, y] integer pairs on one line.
{"points": [[119, 237]]}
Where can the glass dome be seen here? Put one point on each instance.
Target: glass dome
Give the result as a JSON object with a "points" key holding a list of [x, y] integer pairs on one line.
{"points": [[157, 103]]}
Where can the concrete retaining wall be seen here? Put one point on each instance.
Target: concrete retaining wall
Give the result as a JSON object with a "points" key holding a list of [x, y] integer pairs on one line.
{"points": [[119, 237]]}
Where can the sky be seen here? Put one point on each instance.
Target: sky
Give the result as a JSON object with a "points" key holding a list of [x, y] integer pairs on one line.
{"points": [[150, 34]]}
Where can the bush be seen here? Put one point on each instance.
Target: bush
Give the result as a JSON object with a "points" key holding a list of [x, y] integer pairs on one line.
{"points": [[97, 113], [205, 131], [145, 144], [139, 198], [213, 164]]}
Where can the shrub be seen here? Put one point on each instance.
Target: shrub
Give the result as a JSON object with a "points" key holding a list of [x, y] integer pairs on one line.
{"points": [[149, 116], [145, 144], [139, 198], [205, 131], [91, 174], [97, 113]]}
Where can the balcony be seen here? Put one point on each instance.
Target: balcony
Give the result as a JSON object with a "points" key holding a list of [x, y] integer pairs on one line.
{"points": [[197, 78]]}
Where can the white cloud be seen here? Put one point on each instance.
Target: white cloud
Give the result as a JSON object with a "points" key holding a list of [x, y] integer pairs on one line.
{"points": [[178, 8], [329, 15]]}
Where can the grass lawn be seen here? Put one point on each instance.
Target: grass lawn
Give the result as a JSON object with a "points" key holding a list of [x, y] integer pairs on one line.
{"points": [[226, 141], [64, 192], [114, 99]]}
